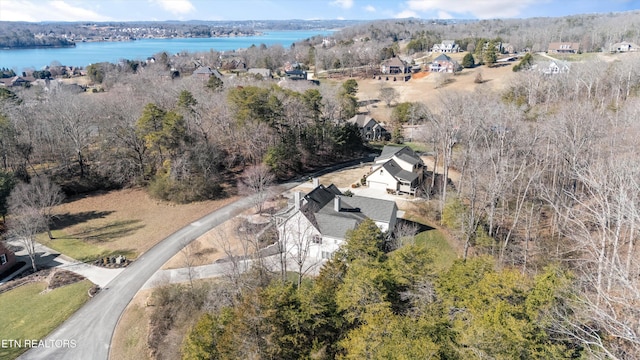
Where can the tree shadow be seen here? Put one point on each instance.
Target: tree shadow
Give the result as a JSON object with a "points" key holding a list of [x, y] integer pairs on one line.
{"points": [[108, 232], [67, 219], [368, 102], [419, 226]]}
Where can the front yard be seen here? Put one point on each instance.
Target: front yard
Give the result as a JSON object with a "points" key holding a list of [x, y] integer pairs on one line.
{"points": [[32, 311]]}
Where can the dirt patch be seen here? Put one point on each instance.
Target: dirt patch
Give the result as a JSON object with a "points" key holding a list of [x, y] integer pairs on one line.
{"points": [[128, 219]]}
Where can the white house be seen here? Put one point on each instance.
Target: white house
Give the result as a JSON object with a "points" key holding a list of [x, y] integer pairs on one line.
{"points": [[624, 46], [555, 67], [315, 226], [447, 46], [397, 169]]}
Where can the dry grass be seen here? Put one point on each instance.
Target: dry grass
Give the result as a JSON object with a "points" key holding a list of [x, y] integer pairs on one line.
{"points": [[127, 220], [422, 88], [130, 336]]}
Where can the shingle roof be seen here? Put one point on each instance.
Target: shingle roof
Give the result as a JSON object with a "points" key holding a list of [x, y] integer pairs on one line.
{"points": [[390, 151], [399, 173], [442, 57], [320, 210], [361, 120]]}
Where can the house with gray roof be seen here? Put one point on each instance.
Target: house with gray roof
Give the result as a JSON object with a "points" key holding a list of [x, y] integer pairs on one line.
{"points": [[397, 169], [369, 128], [316, 224], [206, 72], [447, 46], [444, 63]]}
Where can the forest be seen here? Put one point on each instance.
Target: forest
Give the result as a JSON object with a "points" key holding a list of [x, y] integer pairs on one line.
{"points": [[545, 210]]}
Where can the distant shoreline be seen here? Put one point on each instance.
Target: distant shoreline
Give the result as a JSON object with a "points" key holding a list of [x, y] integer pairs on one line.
{"points": [[38, 47]]}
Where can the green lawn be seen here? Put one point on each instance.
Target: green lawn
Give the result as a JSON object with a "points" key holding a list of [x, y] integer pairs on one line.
{"points": [[79, 249], [435, 240], [28, 314]]}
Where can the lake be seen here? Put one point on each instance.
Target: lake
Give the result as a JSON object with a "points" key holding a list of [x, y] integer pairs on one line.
{"points": [[87, 53]]}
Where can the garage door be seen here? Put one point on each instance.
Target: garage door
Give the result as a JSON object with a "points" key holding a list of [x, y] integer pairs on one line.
{"points": [[377, 185]]}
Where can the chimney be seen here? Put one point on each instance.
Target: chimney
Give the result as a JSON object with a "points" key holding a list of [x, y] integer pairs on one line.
{"points": [[316, 182], [296, 200], [336, 203]]}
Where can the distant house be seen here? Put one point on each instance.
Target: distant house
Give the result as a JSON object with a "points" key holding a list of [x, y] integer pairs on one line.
{"points": [[555, 67], [205, 72], [315, 226], [447, 46], [624, 46], [7, 259], [443, 63], [508, 48], [369, 128], [397, 169], [563, 48], [265, 73], [16, 81], [296, 74], [394, 66]]}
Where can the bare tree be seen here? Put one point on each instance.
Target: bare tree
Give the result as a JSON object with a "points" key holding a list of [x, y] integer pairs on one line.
{"points": [[39, 197], [256, 181], [25, 226], [388, 95]]}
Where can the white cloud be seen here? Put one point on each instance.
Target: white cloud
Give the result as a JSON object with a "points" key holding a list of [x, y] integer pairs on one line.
{"points": [[176, 7], [58, 10], [406, 14], [444, 15], [369, 8], [345, 4], [487, 9]]}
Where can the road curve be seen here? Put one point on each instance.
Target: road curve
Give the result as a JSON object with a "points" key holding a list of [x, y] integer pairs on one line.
{"points": [[87, 333]]}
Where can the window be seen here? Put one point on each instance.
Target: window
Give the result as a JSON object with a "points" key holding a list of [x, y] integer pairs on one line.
{"points": [[326, 254], [316, 239], [3, 259]]}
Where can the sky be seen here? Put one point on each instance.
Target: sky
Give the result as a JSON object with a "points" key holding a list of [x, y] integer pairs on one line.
{"points": [[159, 10]]}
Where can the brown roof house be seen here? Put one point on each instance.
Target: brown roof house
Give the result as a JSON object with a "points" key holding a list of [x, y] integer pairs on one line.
{"points": [[563, 48], [369, 128], [7, 259], [443, 63], [316, 224], [394, 66]]}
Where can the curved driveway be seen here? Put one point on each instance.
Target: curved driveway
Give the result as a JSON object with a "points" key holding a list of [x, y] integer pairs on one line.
{"points": [[92, 326]]}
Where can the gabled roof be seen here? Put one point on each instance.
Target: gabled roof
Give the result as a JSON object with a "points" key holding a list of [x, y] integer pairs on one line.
{"points": [[361, 120], [398, 172], [320, 210], [403, 152], [395, 62], [442, 57]]}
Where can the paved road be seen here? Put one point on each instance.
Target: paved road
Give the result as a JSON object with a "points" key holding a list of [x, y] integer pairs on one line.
{"points": [[92, 327]]}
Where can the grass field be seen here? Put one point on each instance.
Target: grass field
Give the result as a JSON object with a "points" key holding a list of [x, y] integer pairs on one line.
{"points": [[31, 313], [80, 248], [435, 240]]}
